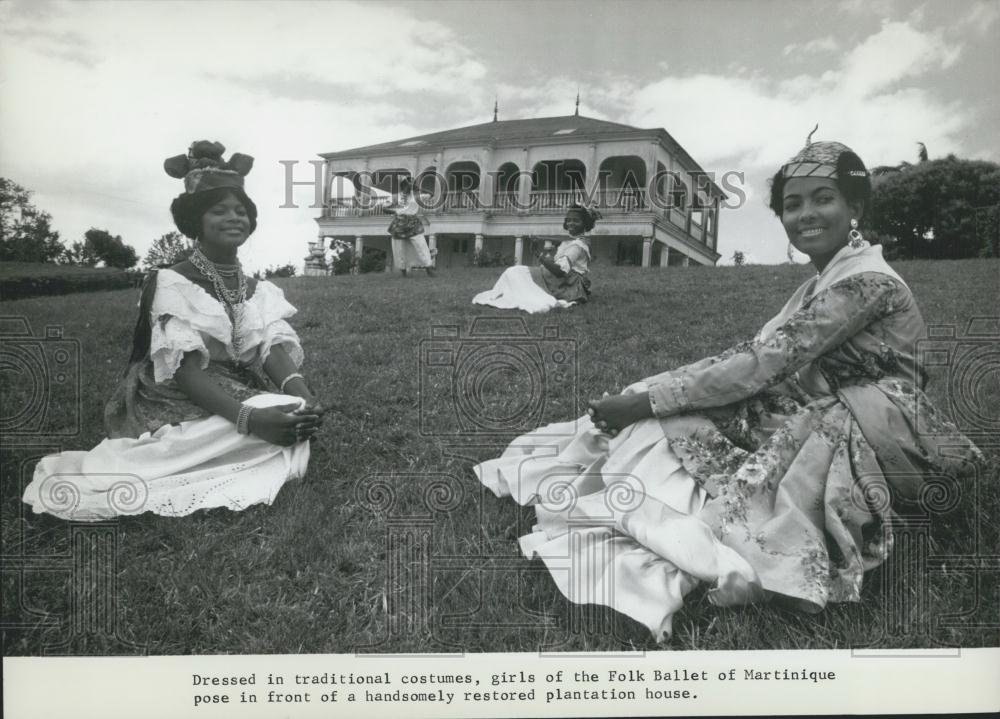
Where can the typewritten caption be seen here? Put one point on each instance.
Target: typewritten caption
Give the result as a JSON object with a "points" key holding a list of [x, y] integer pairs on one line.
{"points": [[568, 683]]}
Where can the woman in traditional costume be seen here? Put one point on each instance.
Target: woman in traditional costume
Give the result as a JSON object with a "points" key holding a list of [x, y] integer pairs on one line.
{"points": [[560, 280], [769, 470], [409, 248], [193, 424]]}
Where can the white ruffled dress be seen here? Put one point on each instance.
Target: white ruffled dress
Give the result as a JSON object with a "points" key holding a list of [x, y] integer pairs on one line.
{"points": [[165, 454], [524, 288]]}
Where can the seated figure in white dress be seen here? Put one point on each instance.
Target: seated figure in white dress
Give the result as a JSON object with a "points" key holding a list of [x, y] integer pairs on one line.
{"points": [[561, 280], [192, 424]]}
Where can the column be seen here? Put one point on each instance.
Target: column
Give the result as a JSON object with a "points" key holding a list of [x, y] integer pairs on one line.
{"points": [[432, 245], [686, 261], [359, 248], [486, 180], [524, 183], [647, 250], [664, 256], [518, 249], [479, 243]]}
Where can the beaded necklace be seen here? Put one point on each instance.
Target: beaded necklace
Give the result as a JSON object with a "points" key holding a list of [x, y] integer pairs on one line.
{"points": [[232, 300]]}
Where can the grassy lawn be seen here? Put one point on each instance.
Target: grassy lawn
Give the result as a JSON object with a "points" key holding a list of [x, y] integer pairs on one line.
{"points": [[337, 564]]}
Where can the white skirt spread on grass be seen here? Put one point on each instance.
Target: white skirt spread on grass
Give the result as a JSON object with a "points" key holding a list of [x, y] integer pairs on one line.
{"points": [[618, 520], [174, 471], [517, 290]]}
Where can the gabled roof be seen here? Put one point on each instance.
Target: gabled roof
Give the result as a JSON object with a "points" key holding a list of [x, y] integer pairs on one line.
{"points": [[489, 132], [534, 130]]}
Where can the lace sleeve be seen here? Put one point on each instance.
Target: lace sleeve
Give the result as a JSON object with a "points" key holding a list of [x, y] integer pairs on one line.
{"points": [[171, 338], [276, 331]]}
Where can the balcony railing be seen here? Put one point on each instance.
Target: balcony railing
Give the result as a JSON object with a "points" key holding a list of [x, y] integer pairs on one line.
{"points": [[608, 201]]}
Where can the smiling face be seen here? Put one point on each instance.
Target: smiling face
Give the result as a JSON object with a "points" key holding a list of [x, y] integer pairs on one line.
{"points": [[574, 224], [225, 225], [817, 217]]}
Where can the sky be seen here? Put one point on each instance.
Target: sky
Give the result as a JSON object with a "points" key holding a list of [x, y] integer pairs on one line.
{"points": [[94, 95]]}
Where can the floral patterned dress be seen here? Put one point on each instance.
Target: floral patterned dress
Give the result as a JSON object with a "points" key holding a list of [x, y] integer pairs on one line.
{"points": [[770, 469]]}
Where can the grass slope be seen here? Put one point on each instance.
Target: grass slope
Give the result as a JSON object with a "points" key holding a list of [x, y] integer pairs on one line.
{"points": [[328, 568]]}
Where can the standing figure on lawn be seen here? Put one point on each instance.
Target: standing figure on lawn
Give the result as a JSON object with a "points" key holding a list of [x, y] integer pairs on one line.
{"points": [[409, 248], [770, 470], [560, 280], [212, 410]]}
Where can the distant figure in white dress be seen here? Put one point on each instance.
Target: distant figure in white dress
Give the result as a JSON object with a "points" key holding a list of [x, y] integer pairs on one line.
{"points": [[560, 280]]}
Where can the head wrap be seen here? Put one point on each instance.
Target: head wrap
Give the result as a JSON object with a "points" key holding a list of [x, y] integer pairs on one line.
{"points": [[203, 168], [588, 213], [818, 159]]}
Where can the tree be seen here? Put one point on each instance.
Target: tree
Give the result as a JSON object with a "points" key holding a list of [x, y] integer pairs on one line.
{"points": [[100, 246], [938, 209], [26, 234], [168, 250], [739, 258]]}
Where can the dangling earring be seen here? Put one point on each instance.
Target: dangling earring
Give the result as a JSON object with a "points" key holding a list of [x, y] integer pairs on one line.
{"points": [[856, 239]]}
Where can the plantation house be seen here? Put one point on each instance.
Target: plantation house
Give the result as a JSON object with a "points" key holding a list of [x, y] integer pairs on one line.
{"points": [[499, 190]]}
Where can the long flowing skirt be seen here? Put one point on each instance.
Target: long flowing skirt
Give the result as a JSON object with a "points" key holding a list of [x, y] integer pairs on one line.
{"points": [[411, 252], [517, 289], [174, 471], [618, 520]]}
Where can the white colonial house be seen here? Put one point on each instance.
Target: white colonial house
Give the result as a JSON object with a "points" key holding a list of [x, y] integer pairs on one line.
{"points": [[502, 187]]}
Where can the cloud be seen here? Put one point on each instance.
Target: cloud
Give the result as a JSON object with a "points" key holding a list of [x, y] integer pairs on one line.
{"points": [[979, 18], [754, 121], [815, 46], [95, 95]]}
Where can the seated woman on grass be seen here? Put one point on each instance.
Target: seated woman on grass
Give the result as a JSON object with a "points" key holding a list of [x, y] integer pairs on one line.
{"points": [[768, 470], [561, 280], [192, 424]]}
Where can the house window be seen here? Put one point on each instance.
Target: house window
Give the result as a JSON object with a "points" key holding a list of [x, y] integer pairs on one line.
{"points": [[459, 245]]}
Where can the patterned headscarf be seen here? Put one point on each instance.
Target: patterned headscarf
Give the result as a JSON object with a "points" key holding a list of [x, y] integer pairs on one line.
{"points": [[818, 159]]}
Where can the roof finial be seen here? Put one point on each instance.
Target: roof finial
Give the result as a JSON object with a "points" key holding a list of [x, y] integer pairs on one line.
{"points": [[496, 107], [809, 137], [577, 111]]}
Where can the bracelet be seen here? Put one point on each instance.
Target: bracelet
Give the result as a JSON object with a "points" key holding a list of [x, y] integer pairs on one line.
{"points": [[289, 378], [243, 419]]}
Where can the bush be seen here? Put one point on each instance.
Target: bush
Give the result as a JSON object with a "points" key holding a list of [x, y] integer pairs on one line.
{"points": [[342, 262], [372, 260], [492, 259], [19, 283]]}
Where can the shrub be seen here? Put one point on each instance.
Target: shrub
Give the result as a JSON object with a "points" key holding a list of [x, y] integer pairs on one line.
{"points": [[372, 260], [492, 259], [281, 271], [18, 286]]}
